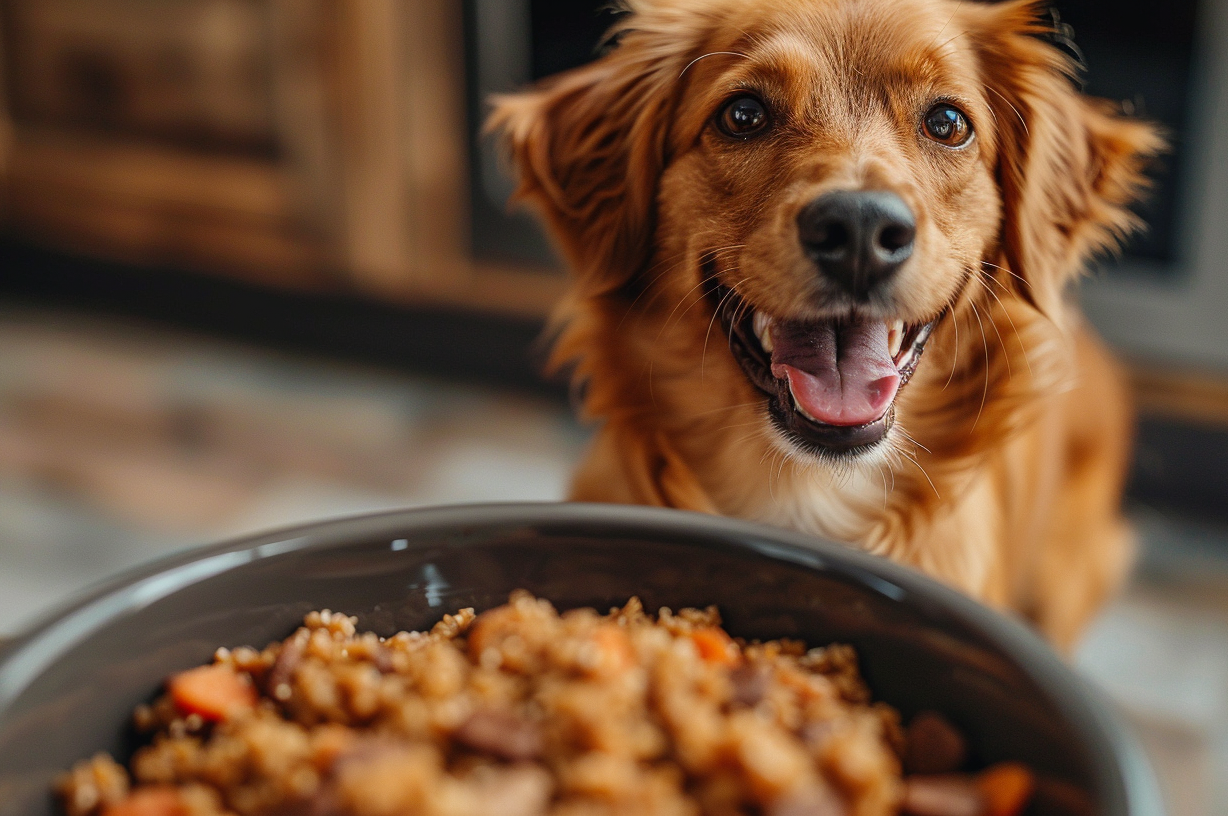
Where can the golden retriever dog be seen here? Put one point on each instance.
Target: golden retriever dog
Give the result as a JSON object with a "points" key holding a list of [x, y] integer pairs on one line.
{"points": [[820, 253]]}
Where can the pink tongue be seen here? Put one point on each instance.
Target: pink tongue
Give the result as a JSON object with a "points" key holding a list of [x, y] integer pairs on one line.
{"points": [[839, 373]]}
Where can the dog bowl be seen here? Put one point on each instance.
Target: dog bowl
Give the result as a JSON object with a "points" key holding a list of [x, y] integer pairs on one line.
{"points": [[67, 687]]}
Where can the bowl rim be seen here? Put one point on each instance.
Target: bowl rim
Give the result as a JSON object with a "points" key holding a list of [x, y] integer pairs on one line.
{"points": [[55, 632]]}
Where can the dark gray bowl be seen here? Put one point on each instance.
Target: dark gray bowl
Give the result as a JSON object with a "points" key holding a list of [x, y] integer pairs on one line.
{"points": [[68, 686]]}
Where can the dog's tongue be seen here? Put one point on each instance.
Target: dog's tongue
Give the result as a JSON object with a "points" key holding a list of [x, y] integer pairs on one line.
{"points": [[839, 373]]}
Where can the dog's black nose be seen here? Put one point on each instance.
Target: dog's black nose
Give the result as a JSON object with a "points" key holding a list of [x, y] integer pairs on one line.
{"points": [[857, 238]]}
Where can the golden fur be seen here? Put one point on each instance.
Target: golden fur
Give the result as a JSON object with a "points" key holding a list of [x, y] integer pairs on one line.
{"points": [[1002, 473]]}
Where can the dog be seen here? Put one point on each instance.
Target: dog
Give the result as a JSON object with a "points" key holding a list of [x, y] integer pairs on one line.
{"points": [[820, 254]]}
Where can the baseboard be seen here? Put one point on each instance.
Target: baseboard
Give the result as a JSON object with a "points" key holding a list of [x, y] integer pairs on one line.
{"points": [[439, 341]]}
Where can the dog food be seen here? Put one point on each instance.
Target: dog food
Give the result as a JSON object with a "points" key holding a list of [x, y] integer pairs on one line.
{"points": [[522, 711]]}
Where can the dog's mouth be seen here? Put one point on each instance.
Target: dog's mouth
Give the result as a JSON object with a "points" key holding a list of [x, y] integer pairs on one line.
{"points": [[831, 384]]}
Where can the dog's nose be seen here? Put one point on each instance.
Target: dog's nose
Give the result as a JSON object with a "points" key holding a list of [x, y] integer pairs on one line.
{"points": [[857, 238]]}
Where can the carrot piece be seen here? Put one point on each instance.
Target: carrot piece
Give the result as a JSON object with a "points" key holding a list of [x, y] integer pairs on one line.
{"points": [[1006, 788], [155, 801], [715, 646], [214, 692]]}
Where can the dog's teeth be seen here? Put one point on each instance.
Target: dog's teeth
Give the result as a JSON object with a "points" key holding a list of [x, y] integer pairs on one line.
{"points": [[763, 330], [797, 406], [895, 338]]}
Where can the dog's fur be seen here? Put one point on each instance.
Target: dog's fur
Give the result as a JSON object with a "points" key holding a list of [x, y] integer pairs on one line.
{"points": [[1002, 472]]}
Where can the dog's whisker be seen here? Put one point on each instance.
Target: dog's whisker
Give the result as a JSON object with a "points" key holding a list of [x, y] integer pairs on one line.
{"points": [[732, 291], [780, 470], [1023, 347], [702, 298], [1010, 272], [988, 276], [703, 280], [756, 434], [712, 54], [650, 286], [913, 440], [667, 265], [1012, 107], [736, 407], [846, 476], [954, 12], [713, 254], [955, 355], [767, 451], [772, 473], [1024, 281], [755, 423], [665, 325], [992, 115], [882, 475], [1006, 355], [953, 39], [917, 463], [985, 343], [738, 315], [703, 355]]}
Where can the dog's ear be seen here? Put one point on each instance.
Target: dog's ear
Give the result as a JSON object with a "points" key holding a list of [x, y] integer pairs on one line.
{"points": [[1068, 166], [589, 147]]}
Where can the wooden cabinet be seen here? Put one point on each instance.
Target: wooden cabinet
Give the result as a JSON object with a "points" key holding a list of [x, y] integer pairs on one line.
{"points": [[305, 143]]}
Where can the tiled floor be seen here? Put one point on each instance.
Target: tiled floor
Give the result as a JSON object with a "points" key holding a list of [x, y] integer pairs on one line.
{"points": [[118, 444], [1161, 652]]}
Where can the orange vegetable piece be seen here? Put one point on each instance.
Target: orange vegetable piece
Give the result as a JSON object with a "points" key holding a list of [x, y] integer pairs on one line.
{"points": [[615, 650], [715, 646], [214, 692], [1006, 788], [489, 628], [155, 801]]}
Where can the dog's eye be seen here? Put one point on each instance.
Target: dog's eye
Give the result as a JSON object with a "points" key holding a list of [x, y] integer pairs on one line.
{"points": [[946, 124], [742, 117]]}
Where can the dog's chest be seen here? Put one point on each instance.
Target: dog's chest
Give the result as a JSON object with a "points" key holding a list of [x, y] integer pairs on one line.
{"points": [[847, 509]]}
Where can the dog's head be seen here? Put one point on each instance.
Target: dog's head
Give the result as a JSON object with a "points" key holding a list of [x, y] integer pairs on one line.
{"points": [[840, 180]]}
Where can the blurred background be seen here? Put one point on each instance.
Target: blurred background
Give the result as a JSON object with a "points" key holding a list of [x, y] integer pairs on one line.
{"points": [[256, 268]]}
